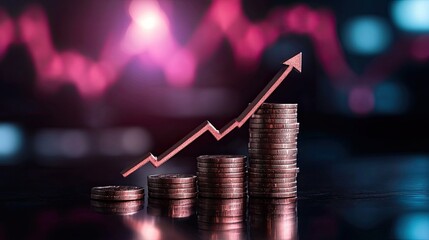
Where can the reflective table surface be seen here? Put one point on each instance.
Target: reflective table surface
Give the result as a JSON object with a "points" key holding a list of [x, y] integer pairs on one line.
{"points": [[378, 197]]}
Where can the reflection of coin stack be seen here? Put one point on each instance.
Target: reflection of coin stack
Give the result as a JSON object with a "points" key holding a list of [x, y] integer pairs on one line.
{"points": [[273, 150], [117, 207], [273, 218], [120, 200], [172, 186], [174, 208], [221, 176], [221, 218]]}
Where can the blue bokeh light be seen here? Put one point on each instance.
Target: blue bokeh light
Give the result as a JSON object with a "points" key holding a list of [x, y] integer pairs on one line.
{"points": [[367, 35], [411, 15], [413, 226], [10, 140], [390, 98]]}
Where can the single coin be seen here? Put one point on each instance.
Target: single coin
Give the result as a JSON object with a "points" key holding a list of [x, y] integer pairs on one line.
{"points": [[221, 175], [273, 195], [274, 125], [221, 170], [214, 219], [270, 136], [117, 190], [274, 162], [268, 140], [273, 190], [222, 185], [279, 105], [271, 166], [292, 114], [221, 159], [171, 185], [270, 176], [287, 152], [289, 201], [272, 170], [222, 195], [272, 145], [218, 180], [172, 178], [221, 165], [172, 196], [222, 190], [172, 190], [273, 120], [278, 131], [269, 185], [276, 111], [117, 193], [273, 156]]}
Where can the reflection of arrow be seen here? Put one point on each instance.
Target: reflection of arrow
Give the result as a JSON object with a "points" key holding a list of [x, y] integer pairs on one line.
{"points": [[294, 62]]}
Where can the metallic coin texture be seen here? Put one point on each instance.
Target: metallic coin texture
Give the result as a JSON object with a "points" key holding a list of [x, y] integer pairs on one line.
{"points": [[117, 193], [273, 150]]}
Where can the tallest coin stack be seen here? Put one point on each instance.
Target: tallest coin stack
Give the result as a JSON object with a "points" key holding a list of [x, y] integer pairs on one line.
{"points": [[273, 151]]}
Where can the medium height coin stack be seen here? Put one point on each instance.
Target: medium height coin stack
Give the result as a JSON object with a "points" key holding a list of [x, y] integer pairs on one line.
{"points": [[272, 151], [222, 176]]}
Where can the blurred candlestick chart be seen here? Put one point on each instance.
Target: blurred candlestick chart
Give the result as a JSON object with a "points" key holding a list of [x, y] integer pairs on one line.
{"points": [[149, 37]]}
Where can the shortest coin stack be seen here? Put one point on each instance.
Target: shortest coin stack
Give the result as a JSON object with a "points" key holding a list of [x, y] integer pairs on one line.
{"points": [[172, 186], [118, 200], [117, 193], [222, 176]]}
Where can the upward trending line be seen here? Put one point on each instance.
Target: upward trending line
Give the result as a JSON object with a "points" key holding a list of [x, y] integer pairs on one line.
{"points": [[294, 62]]}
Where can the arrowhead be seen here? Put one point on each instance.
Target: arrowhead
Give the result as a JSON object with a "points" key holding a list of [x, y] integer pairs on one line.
{"points": [[295, 61]]}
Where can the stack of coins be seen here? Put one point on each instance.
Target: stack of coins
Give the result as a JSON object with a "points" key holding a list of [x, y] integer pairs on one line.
{"points": [[117, 193], [121, 200], [272, 151], [172, 186], [173, 208], [221, 218], [273, 218], [222, 176]]}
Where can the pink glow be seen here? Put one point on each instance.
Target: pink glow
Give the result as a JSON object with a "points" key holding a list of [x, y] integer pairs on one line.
{"points": [[148, 37], [420, 48], [180, 69], [6, 32], [149, 26], [361, 100]]}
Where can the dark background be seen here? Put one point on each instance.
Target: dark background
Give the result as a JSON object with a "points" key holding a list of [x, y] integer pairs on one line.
{"points": [[361, 94]]}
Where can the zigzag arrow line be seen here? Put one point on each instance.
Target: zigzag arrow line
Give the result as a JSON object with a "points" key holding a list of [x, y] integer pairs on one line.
{"points": [[294, 62]]}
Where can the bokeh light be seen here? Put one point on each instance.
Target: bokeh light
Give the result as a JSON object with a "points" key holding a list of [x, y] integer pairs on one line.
{"points": [[11, 140], [367, 35], [413, 226], [411, 15], [361, 100]]}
